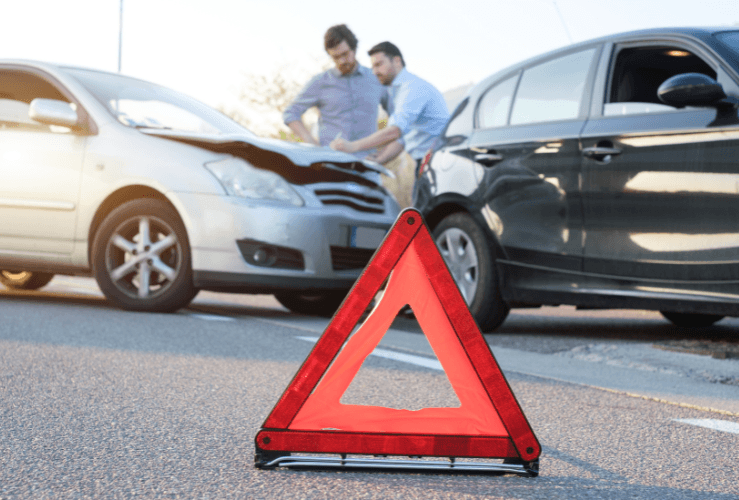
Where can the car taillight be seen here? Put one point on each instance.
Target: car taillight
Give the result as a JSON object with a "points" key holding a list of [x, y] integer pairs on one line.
{"points": [[425, 162]]}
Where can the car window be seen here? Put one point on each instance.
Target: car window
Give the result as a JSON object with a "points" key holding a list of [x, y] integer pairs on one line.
{"points": [[730, 39], [17, 90], [639, 71], [553, 90], [495, 104]]}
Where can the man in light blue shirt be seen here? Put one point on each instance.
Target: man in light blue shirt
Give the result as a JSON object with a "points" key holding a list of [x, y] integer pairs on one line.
{"points": [[346, 96], [418, 112]]}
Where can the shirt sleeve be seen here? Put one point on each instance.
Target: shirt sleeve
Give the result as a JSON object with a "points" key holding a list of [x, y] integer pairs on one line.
{"points": [[409, 103], [306, 99]]}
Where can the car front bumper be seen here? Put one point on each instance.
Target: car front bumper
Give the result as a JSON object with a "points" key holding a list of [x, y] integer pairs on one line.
{"points": [[325, 238]]}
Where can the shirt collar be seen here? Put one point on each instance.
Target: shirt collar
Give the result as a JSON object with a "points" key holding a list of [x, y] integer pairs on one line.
{"points": [[358, 70], [400, 78]]}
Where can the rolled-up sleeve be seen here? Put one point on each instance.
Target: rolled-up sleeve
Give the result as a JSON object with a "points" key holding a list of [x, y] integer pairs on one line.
{"points": [[408, 106], [306, 99]]}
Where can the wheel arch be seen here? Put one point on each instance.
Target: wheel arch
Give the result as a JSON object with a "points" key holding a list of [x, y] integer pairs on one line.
{"points": [[447, 205], [118, 198]]}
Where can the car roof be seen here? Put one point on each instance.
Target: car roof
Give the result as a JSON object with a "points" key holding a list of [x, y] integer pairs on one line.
{"points": [[55, 68], [704, 34]]}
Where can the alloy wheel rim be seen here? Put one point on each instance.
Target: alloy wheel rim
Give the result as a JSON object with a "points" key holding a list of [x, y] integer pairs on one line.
{"points": [[143, 257], [461, 257]]}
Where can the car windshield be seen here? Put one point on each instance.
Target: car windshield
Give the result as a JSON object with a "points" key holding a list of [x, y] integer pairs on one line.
{"points": [[730, 39], [140, 104]]}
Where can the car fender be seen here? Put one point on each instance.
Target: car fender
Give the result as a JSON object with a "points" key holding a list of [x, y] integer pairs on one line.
{"points": [[439, 207]]}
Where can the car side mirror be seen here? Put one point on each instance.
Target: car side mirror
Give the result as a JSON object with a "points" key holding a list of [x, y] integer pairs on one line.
{"points": [[691, 89], [53, 112]]}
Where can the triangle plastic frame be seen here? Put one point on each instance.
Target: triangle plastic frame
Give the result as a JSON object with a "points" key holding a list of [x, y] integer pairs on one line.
{"points": [[519, 446]]}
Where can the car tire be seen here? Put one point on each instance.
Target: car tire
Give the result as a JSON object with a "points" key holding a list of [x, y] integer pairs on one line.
{"points": [[469, 258], [24, 280], [689, 320], [322, 304], [141, 258]]}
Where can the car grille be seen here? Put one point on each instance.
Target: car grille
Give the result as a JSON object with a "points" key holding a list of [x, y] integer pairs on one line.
{"points": [[343, 258], [359, 198]]}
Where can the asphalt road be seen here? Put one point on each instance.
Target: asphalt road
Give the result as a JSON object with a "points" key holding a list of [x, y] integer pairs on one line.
{"points": [[102, 403]]}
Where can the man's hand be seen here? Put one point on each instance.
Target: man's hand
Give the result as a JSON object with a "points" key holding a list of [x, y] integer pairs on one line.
{"points": [[340, 144], [299, 129]]}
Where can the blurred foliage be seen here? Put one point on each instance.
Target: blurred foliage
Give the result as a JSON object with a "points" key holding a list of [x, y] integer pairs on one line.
{"points": [[261, 99]]}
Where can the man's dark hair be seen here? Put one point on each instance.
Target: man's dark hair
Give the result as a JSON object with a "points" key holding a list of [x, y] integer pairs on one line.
{"points": [[337, 34], [389, 49]]}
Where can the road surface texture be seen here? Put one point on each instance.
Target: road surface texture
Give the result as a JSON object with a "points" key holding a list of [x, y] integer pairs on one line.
{"points": [[102, 403]]}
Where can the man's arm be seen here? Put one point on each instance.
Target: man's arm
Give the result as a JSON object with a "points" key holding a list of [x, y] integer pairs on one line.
{"points": [[298, 127], [388, 153], [379, 138], [292, 116]]}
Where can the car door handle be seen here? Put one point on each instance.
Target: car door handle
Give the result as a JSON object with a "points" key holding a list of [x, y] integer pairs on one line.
{"points": [[488, 159], [599, 153]]}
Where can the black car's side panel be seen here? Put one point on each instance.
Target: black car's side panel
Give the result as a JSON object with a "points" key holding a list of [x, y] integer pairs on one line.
{"points": [[546, 286], [532, 195], [664, 205]]}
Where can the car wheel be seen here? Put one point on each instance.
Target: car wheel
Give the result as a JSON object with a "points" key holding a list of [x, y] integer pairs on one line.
{"points": [[688, 320], [464, 247], [24, 280], [312, 304], [141, 258]]}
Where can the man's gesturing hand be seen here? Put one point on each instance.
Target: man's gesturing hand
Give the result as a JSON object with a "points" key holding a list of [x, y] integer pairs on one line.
{"points": [[340, 144]]}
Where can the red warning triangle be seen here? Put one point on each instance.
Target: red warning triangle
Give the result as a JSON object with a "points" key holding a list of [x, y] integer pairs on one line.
{"points": [[489, 423]]}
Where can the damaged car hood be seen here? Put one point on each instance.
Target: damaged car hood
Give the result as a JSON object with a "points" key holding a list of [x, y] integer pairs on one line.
{"points": [[318, 164]]}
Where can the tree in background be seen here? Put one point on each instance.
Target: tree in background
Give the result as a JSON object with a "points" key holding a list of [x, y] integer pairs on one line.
{"points": [[261, 99]]}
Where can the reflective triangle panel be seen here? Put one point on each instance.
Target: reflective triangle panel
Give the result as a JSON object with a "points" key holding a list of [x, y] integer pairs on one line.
{"points": [[488, 423]]}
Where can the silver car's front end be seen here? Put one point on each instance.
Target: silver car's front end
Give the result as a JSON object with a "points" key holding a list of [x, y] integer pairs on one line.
{"points": [[158, 195], [242, 245]]}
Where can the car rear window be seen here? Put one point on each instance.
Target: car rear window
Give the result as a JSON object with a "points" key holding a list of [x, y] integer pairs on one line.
{"points": [[552, 90]]}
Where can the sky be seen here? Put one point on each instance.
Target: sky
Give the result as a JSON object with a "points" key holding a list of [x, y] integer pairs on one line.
{"points": [[205, 48]]}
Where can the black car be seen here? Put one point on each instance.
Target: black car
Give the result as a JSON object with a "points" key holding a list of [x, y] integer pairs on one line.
{"points": [[602, 175]]}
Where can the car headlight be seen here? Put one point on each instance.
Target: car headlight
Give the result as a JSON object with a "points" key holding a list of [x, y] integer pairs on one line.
{"points": [[239, 178]]}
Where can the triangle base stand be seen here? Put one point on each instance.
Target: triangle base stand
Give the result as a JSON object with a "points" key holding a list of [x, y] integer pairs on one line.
{"points": [[272, 460]]}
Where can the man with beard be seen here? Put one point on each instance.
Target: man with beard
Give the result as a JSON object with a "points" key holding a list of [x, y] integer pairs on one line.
{"points": [[418, 112], [346, 96]]}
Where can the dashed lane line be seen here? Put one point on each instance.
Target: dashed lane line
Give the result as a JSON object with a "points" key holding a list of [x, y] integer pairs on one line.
{"points": [[212, 317], [711, 423]]}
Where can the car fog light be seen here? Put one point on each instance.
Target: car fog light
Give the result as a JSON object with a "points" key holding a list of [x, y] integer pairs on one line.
{"points": [[260, 256]]}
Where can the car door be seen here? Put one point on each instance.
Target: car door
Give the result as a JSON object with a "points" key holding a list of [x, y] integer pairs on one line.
{"points": [[660, 184], [528, 158], [40, 167]]}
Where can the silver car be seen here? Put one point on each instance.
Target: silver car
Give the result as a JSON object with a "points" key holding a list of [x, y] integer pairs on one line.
{"points": [[158, 196]]}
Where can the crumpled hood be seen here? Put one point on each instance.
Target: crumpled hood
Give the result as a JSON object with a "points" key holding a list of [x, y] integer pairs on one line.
{"points": [[319, 164]]}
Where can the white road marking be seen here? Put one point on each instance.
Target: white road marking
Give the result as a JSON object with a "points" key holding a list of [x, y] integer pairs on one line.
{"points": [[294, 326], [397, 356], [212, 317], [710, 423], [86, 291]]}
